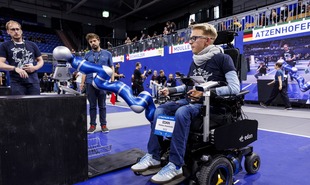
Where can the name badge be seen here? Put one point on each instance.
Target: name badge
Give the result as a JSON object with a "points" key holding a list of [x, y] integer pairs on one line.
{"points": [[164, 125]]}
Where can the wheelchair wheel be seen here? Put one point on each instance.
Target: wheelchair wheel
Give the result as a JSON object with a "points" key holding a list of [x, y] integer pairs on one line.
{"points": [[252, 163], [218, 172]]}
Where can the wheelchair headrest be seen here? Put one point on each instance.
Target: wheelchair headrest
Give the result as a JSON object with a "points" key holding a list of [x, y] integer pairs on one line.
{"points": [[224, 37]]}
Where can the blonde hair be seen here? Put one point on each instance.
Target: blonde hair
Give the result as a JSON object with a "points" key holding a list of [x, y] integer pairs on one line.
{"points": [[12, 22], [91, 36], [208, 30]]}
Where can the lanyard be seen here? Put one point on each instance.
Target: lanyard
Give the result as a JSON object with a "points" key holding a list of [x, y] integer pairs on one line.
{"points": [[96, 60]]}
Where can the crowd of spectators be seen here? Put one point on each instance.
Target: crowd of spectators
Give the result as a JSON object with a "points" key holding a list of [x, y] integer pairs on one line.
{"points": [[271, 16], [171, 36]]}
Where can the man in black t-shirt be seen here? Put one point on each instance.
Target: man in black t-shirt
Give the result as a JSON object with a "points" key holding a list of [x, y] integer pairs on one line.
{"points": [[261, 70], [289, 57], [24, 60], [137, 80], [171, 82], [161, 79]]}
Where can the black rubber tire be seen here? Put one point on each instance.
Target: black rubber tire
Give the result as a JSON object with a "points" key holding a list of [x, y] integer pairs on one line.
{"points": [[252, 163], [218, 167]]}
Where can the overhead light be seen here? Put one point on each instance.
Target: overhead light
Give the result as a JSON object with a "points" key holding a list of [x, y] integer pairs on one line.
{"points": [[105, 14], [44, 15], [89, 24]]}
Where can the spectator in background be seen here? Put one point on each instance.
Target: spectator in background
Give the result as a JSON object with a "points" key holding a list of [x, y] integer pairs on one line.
{"points": [[24, 60], [154, 34], [173, 27], [171, 82], [161, 79], [110, 46], [168, 27], [289, 57], [236, 24], [153, 84], [178, 75], [128, 41], [263, 20], [96, 97], [165, 32], [135, 39], [78, 81], [73, 51], [274, 16], [192, 22], [45, 83], [117, 75], [279, 87], [138, 79], [73, 80], [1, 81], [222, 26], [284, 13], [143, 36], [261, 70], [300, 8]]}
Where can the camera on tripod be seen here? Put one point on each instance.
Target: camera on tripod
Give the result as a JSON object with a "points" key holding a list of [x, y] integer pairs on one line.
{"points": [[148, 72]]}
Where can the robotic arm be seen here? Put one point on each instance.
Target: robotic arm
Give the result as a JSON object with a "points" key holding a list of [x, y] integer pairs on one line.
{"points": [[101, 81], [299, 79]]}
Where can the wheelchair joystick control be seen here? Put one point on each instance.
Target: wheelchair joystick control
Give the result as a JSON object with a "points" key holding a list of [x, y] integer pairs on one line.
{"points": [[206, 86]]}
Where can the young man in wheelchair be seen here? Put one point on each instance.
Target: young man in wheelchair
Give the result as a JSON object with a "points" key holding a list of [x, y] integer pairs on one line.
{"points": [[212, 64]]}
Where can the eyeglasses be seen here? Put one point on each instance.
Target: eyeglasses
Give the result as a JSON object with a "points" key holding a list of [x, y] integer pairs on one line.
{"points": [[15, 29], [194, 38]]}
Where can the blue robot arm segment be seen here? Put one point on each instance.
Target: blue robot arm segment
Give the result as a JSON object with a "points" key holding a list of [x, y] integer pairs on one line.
{"points": [[299, 79], [101, 81]]}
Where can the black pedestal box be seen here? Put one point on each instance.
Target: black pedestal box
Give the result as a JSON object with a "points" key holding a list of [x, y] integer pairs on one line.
{"points": [[264, 92], [5, 90], [43, 140]]}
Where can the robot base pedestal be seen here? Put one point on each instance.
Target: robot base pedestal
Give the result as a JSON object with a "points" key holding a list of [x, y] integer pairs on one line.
{"points": [[43, 140]]}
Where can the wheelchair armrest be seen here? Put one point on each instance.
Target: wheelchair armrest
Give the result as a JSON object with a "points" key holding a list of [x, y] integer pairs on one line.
{"points": [[233, 96], [176, 94], [243, 92]]}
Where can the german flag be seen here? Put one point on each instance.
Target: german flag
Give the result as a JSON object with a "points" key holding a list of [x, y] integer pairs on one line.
{"points": [[247, 36]]}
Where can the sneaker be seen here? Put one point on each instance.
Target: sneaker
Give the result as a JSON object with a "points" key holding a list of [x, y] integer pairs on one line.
{"points": [[289, 108], [104, 128], [91, 129], [263, 105], [166, 174], [145, 163]]}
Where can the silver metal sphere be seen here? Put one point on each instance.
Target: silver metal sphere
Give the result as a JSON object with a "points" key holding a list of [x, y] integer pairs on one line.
{"points": [[62, 53]]}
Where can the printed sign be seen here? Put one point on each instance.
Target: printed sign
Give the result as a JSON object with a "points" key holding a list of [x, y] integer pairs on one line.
{"points": [[281, 30], [180, 48], [164, 125]]}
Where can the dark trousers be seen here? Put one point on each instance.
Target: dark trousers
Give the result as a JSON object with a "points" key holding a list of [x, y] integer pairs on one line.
{"points": [[25, 88], [283, 93], [96, 97], [137, 88]]}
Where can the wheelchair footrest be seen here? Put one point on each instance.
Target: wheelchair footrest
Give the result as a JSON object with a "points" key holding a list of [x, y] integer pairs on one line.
{"points": [[235, 135], [151, 171]]}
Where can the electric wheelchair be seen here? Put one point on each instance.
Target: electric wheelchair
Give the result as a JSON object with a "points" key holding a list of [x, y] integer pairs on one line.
{"points": [[219, 139]]}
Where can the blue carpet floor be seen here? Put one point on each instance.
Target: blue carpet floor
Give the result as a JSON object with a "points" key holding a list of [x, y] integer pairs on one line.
{"points": [[284, 158]]}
